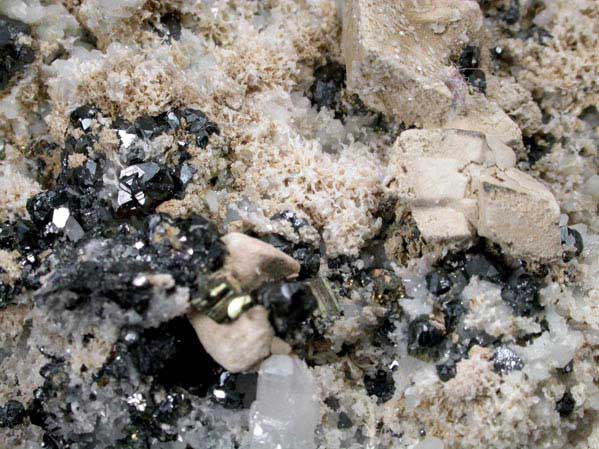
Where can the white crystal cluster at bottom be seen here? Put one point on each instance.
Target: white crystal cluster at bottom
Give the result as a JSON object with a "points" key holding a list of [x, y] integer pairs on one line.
{"points": [[285, 412]]}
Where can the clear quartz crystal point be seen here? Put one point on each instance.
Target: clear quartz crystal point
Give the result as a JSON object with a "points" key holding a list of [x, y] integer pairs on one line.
{"points": [[285, 412]]}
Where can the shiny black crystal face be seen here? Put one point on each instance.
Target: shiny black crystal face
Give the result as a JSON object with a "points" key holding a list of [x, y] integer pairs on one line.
{"points": [[572, 243], [424, 334], [14, 56], [143, 186], [82, 117], [193, 121], [235, 391], [438, 282], [521, 293], [170, 26], [289, 304]]}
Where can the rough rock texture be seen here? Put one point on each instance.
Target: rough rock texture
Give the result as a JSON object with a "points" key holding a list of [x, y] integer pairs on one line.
{"points": [[397, 55], [240, 345], [457, 179], [252, 262], [519, 213], [135, 134]]}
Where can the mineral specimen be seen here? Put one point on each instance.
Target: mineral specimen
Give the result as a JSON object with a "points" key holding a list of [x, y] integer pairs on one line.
{"points": [[285, 413], [299, 224], [14, 55]]}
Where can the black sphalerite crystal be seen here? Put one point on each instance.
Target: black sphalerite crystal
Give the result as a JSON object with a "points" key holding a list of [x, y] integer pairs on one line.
{"points": [[198, 124], [446, 371], [506, 360], [296, 222], [479, 265], [171, 23], [14, 56], [82, 116], [438, 282], [170, 353], [565, 406], [307, 255], [521, 293], [235, 391], [12, 414], [147, 127], [289, 303], [469, 62], [572, 243], [422, 333], [327, 88], [380, 385], [143, 186]]}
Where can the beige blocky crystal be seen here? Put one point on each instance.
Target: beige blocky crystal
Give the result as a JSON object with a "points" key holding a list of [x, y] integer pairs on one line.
{"points": [[439, 224], [482, 115], [519, 213], [432, 171], [239, 345], [456, 180], [251, 261], [397, 55]]}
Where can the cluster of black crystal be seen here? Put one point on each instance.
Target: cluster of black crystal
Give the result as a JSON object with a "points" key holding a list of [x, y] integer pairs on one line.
{"points": [[469, 66], [124, 253], [519, 285], [95, 248], [80, 207], [424, 334], [171, 361], [14, 56], [375, 274], [290, 304], [537, 146], [565, 406], [380, 384], [327, 89], [42, 410], [170, 26], [192, 121], [447, 280], [170, 354]]}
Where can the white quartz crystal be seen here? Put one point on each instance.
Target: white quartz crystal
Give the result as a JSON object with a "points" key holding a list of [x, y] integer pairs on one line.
{"points": [[285, 412]]}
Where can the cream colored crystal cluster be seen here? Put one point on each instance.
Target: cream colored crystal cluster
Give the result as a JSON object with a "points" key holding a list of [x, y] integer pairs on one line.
{"points": [[460, 177]]}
